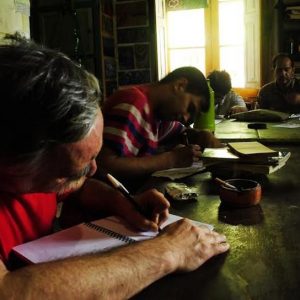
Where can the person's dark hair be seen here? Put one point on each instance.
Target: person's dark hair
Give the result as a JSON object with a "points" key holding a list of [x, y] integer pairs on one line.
{"points": [[197, 84], [46, 100], [220, 82], [281, 55]]}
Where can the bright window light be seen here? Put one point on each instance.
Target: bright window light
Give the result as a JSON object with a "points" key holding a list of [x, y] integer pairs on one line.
{"points": [[232, 60], [187, 57], [186, 39], [231, 36], [186, 28]]}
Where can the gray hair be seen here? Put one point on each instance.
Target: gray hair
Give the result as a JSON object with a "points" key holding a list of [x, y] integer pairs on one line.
{"points": [[46, 100]]}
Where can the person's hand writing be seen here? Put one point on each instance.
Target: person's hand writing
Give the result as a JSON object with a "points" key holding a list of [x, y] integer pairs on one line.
{"points": [[191, 246], [155, 209], [184, 156]]}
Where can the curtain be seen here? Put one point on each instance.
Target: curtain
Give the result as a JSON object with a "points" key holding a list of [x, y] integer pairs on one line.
{"points": [[185, 4]]}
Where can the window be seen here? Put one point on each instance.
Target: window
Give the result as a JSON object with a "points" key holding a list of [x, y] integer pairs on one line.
{"points": [[216, 38], [231, 40], [183, 48]]}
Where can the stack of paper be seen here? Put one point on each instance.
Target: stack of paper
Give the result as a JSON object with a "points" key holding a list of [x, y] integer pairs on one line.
{"points": [[247, 156], [293, 12]]}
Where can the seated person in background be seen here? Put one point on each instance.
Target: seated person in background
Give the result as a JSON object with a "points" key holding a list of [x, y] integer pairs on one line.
{"points": [[138, 120], [51, 132], [283, 94], [227, 102]]}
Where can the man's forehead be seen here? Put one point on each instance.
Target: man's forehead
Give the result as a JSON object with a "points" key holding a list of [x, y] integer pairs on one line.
{"points": [[283, 63], [78, 154]]}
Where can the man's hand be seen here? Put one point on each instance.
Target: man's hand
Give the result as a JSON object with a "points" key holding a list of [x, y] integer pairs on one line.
{"points": [[191, 246], [293, 98], [184, 156], [237, 109], [155, 209], [204, 138]]}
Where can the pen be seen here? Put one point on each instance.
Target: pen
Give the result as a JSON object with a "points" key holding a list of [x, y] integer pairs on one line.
{"points": [[186, 139], [121, 188]]}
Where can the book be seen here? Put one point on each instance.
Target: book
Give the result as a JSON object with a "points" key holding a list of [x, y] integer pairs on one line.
{"points": [[263, 115], [213, 154], [294, 16], [293, 8], [251, 149], [87, 238], [270, 159], [255, 168]]}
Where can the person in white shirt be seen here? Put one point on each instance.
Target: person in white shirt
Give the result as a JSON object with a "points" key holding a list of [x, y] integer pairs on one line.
{"points": [[227, 102]]}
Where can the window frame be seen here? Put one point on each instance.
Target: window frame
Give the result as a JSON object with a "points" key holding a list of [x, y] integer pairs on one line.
{"points": [[212, 54]]}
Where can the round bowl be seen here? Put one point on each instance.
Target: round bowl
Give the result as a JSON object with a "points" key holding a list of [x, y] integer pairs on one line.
{"points": [[247, 193]]}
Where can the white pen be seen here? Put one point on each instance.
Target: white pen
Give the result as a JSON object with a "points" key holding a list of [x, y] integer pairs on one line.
{"points": [[186, 139], [120, 187]]}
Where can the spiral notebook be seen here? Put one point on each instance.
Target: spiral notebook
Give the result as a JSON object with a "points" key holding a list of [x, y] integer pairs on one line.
{"points": [[86, 238]]}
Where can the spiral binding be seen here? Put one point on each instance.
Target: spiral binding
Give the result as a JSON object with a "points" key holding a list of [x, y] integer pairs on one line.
{"points": [[110, 233]]}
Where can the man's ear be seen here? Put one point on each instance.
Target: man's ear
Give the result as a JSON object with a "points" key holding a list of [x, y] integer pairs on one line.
{"points": [[180, 85]]}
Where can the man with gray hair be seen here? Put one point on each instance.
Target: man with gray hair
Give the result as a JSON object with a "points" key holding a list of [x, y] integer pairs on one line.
{"points": [[51, 130]]}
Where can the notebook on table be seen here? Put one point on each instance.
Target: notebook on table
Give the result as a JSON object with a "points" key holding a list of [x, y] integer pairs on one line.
{"points": [[262, 115], [251, 149], [86, 238], [242, 152]]}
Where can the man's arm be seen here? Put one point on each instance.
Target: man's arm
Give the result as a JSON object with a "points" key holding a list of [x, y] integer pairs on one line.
{"points": [[265, 96], [237, 104], [145, 165], [178, 157], [118, 274], [237, 109], [204, 138], [293, 98], [96, 196]]}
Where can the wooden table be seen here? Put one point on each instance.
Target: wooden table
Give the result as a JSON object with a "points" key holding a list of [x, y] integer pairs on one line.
{"points": [[232, 130], [264, 259]]}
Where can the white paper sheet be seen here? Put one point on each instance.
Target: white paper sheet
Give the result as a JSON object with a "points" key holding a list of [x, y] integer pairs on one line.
{"points": [[177, 173]]}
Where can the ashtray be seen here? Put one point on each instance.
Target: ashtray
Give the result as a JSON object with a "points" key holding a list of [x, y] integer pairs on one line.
{"points": [[181, 192], [244, 193]]}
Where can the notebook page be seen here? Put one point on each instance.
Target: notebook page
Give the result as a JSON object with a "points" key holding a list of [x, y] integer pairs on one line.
{"points": [[115, 224], [83, 239], [74, 241], [177, 173]]}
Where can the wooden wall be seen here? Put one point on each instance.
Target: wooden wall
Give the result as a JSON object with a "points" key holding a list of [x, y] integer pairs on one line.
{"points": [[269, 39]]}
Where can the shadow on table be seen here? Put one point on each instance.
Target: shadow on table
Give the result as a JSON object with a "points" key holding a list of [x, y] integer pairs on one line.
{"points": [[240, 216], [198, 284]]}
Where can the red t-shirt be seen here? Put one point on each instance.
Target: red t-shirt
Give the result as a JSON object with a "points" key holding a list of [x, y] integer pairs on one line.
{"points": [[24, 218], [131, 128]]}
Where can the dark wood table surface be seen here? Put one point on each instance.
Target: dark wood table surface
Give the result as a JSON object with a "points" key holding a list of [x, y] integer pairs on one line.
{"points": [[264, 259], [232, 130]]}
